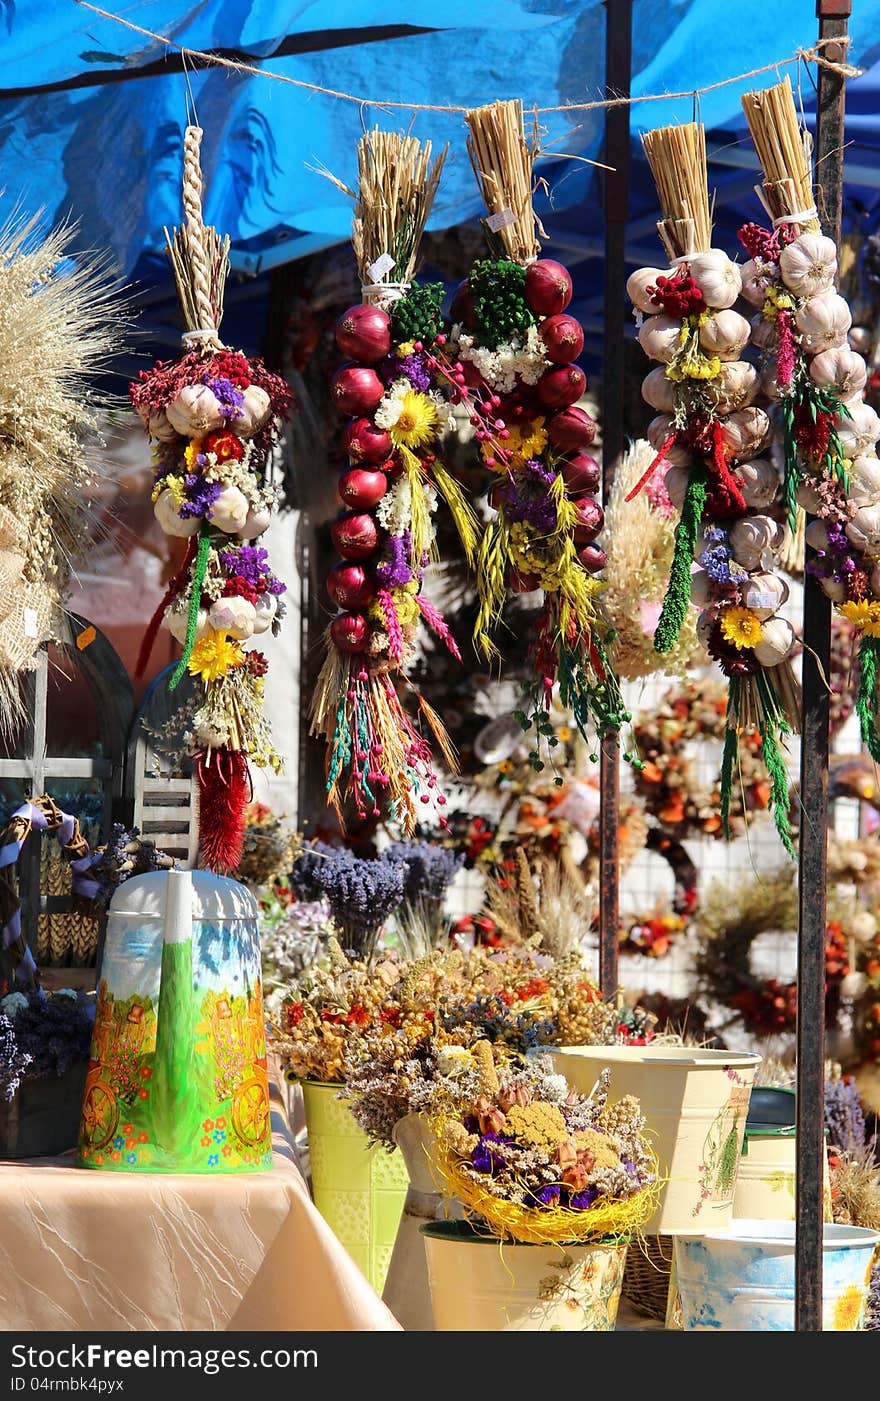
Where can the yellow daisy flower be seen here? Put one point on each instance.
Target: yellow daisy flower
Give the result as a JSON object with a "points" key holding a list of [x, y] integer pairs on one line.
{"points": [[417, 422], [525, 441], [191, 452], [215, 655], [741, 627], [863, 615]]}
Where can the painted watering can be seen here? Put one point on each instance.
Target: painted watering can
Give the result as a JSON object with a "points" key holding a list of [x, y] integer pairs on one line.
{"points": [[177, 1080]]}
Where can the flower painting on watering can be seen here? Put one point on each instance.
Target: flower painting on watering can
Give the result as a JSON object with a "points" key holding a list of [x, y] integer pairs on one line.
{"points": [[178, 1079]]}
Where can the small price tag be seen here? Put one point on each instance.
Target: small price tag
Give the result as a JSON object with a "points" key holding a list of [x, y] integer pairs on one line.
{"points": [[86, 638], [639, 319], [30, 622], [762, 600], [500, 220], [384, 263]]}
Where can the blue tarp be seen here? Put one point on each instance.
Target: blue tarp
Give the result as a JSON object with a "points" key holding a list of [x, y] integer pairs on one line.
{"points": [[91, 114]]}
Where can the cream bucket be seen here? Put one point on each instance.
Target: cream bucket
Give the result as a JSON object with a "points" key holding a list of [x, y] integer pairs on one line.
{"points": [[767, 1177], [480, 1284], [695, 1102]]}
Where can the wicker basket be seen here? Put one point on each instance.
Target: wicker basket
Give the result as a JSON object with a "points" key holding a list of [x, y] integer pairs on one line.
{"points": [[646, 1275]]}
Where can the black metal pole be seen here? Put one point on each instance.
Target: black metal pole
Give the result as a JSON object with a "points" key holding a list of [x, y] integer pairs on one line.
{"points": [[618, 60], [812, 863]]}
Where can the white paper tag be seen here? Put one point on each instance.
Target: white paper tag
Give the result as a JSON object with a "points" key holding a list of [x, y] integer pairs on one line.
{"points": [[30, 622], [762, 600], [384, 263], [500, 220], [639, 319]]}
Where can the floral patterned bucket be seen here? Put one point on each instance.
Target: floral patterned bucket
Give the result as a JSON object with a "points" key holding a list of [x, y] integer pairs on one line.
{"points": [[742, 1279], [359, 1189], [695, 1101], [178, 1078], [483, 1285]]}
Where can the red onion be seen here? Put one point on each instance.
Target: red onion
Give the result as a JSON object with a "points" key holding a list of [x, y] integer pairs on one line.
{"points": [[355, 535], [548, 287], [462, 306], [357, 390], [350, 586], [350, 632], [523, 583], [571, 430], [581, 473], [593, 558], [560, 387], [364, 442], [363, 488], [472, 377], [590, 519], [364, 333], [563, 338]]}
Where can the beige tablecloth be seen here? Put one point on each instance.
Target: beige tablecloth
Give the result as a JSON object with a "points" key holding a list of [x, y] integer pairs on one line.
{"points": [[102, 1251]]}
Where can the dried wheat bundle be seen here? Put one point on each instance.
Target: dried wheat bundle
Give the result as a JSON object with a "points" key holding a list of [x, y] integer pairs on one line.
{"points": [[784, 149], [677, 158], [503, 158]]}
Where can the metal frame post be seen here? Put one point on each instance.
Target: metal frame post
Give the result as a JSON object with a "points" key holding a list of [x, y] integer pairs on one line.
{"points": [[812, 859], [618, 62]]}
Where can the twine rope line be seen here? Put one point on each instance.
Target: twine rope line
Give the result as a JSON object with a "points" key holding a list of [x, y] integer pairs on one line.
{"points": [[195, 227], [809, 54]]}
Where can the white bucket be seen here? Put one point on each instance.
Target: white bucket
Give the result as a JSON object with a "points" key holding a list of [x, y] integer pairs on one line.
{"points": [[695, 1102], [742, 1279], [482, 1285], [767, 1177]]}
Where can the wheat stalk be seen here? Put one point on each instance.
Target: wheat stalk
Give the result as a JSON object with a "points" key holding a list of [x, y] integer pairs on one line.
{"points": [[677, 157], [503, 158], [785, 151]]}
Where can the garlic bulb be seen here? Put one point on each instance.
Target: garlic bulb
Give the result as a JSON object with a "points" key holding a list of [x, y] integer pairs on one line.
{"points": [[166, 513], [860, 338], [660, 337], [676, 481], [744, 433], [716, 276], [763, 332], [195, 411], [760, 481], [754, 537], [724, 333], [816, 535], [229, 511], [764, 593], [637, 285], [658, 432], [841, 369], [177, 623], [807, 497], [769, 383], [256, 523], [265, 609], [253, 414], [859, 431], [159, 427], [233, 615], [706, 626], [777, 640], [823, 322], [756, 277], [808, 265], [875, 581], [833, 589], [864, 480], [864, 531], [657, 390], [700, 588], [738, 383]]}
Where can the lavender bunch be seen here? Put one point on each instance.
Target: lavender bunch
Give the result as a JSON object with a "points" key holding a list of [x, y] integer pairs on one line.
{"points": [[54, 1032], [308, 870], [430, 870], [844, 1115], [13, 1061], [361, 896]]}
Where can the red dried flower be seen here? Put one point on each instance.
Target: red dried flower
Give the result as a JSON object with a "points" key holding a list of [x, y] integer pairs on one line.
{"points": [[678, 295], [256, 663], [237, 587], [226, 447]]}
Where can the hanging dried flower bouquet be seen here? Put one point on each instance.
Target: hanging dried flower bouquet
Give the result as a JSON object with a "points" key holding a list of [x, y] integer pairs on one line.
{"points": [[709, 433], [213, 416]]}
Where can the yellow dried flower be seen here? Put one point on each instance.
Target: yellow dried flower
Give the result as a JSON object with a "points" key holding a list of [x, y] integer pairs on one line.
{"points": [[214, 656], [741, 627]]}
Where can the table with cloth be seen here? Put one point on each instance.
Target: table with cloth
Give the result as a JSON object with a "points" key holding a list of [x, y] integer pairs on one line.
{"points": [[83, 1250]]}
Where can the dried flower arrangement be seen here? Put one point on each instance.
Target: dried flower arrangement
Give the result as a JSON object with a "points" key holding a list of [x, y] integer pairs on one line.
{"points": [[214, 417], [391, 391], [531, 1160], [43, 1035], [516, 348], [829, 433], [711, 433], [60, 323]]}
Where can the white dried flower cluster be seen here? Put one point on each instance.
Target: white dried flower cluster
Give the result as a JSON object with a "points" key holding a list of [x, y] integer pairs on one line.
{"points": [[501, 367], [391, 407], [394, 511]]}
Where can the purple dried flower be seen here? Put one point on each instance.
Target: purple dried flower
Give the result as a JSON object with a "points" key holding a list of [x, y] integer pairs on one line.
{"points": [[13, 1061], [844, 1115], [548, 1196], [225, 392], [430, 869], [361, 894], [395, 570], [201, 496], [54, 1032], [250, 562], [582, 1201], [413, 366]]}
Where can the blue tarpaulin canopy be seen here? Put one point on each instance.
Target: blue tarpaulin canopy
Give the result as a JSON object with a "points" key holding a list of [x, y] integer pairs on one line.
{"points": [[92, 114]]}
